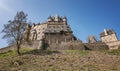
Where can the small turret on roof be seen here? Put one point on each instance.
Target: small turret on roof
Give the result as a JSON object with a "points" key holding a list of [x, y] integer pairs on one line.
{"points": [[64, 19], [56, 18], [50, 19]]}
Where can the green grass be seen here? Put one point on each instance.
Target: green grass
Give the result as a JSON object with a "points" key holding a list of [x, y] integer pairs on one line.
{"points": [[14, 52], [27, 51], [114, 52], [24, 50], [78, 52], [6, 54], [111, 52]]}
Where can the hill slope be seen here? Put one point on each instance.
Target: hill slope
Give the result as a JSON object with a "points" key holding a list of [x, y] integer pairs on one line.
{"points": [[67, 60]]}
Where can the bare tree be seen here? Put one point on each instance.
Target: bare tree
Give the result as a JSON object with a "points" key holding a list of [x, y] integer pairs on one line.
{"points": [[14, 30]]}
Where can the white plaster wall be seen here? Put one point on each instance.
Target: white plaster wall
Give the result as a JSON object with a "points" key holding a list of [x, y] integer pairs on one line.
{"points": [[39, 30], [113, 45], [109, 38]]}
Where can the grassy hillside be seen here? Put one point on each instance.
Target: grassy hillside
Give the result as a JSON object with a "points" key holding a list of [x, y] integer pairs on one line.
{"points": [[65, 60]]}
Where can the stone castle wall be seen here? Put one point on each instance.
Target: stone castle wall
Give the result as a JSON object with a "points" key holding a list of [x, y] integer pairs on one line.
{"points": [[58, 38], [36, 32], [109, 38], [6, 49], [55, 30], [77, 45], [114, 45]]}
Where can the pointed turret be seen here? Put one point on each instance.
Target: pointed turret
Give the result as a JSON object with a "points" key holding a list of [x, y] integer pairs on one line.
{"points": [[56, 18], [50, 19], [64, 20]]}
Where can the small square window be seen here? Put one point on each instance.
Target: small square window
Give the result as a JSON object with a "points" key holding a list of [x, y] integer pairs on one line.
{"points": [[49, 26], [53, 26]]}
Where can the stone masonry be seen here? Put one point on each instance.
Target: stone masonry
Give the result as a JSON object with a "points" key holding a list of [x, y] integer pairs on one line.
{"points": [[110, 38], [54, 31]]}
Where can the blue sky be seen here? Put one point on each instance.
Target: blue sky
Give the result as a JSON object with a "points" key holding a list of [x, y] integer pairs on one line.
{"points": [[86, 17]]}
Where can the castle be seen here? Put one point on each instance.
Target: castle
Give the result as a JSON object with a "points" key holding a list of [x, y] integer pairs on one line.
{"points": [[57, 34], [55, 31], [110, 38]]}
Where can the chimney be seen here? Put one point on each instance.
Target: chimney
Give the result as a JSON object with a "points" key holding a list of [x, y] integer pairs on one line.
{"points": [[105, 31]]}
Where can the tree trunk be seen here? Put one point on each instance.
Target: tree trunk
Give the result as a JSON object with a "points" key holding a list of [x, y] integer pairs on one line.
{"points": [[18, 49]]}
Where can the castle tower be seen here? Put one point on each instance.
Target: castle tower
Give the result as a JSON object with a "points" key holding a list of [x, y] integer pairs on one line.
{"points": [[108, 36], [92, 39], [56, 18], [51, 30], [64, 20], [27, 32], [33, 25]]}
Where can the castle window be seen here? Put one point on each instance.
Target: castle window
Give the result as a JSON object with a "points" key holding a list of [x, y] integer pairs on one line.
{"points": [[55, 31], [49, 41], [49, 26], [53, 26], [48, 30], [67, 26], [57, 26]]}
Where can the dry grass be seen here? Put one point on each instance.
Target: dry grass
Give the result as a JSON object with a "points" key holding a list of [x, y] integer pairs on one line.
{"points": [[67, 60]]}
